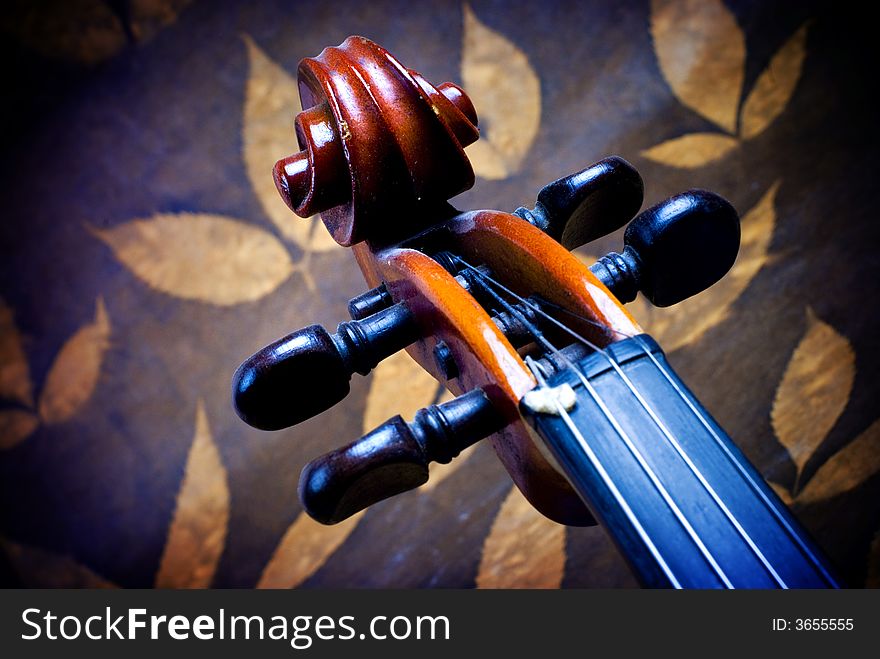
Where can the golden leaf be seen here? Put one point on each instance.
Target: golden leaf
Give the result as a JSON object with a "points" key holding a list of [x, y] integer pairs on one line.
{"points": [[692, 151], [201, 257], [198, 530], [15, 426], [688, 320], [305, 547], [270, 105], [38, 568], [524, 549], [814, 391], [702, 53], [775, 86], [873, 580], [506, 93], [847, 469], [398, 385], [15, 378], [437, 472], [74, 373]]}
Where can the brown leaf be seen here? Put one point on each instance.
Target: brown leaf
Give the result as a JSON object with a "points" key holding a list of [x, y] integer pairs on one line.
{"points": [[847, 469], [702, 54], [775, 86], [506, 93], [16, 426], [38, 568], [209, 258], [198, 530], [524, 549], [305, 547], [74, 373], [814, 390], [398, 385], [687, 321], [692, 151], [149, 17], [437, 473], [82, 31], [270, 105], [15, 377]]}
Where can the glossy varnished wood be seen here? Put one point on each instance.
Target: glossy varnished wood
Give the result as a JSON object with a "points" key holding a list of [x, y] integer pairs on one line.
{"points": [[379, 142], [144, 404], [382, 152], [484, 358], [525, 258]]}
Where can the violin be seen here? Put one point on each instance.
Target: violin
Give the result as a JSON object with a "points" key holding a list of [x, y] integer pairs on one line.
{"points": [[580, 404]]}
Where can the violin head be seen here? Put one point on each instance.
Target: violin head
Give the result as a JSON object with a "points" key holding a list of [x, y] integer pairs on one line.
{"points": [[379, 145], [467, 294]]}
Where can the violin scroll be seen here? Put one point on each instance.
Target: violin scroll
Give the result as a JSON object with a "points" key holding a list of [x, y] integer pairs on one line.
{"points": [[381, 153], [378, 141]]}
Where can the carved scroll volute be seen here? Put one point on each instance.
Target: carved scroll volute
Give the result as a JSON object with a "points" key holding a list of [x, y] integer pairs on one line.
{"points": [[382, 148]]}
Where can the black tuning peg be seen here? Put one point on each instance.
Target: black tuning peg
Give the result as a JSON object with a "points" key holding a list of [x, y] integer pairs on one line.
{"points": [[587, 205], [394, 457], [673, 250], [307, 372]]}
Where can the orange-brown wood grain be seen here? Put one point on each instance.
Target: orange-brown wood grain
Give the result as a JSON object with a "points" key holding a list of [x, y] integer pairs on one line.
{"points": [[484, 358], [528, 261], [382, 152], [525, 259], [378, 141]]}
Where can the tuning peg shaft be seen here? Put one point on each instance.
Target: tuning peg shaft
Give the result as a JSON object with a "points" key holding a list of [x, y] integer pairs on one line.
{"points": [[308, 371], [394, 457], [673, 250], [589, 204], [369, 302]]}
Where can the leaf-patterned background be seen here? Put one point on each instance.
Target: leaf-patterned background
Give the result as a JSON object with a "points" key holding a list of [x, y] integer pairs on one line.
{"points": [[143, 254]]}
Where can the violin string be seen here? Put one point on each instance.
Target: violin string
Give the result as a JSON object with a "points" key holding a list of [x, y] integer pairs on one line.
{"points": [[606, 478], [774, 511], [541, 302], [637, 455], [676, 445], [749, 479], [670, 438]]}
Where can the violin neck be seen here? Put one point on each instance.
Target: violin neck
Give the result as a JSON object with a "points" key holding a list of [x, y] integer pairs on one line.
{"points": [[681, 501]]}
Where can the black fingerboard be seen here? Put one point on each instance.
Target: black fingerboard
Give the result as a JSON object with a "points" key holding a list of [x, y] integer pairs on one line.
{"points": [[680, 500]]}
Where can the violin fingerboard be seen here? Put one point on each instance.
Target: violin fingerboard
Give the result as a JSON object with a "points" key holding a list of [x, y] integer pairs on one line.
{"points": [[681, 501]]}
